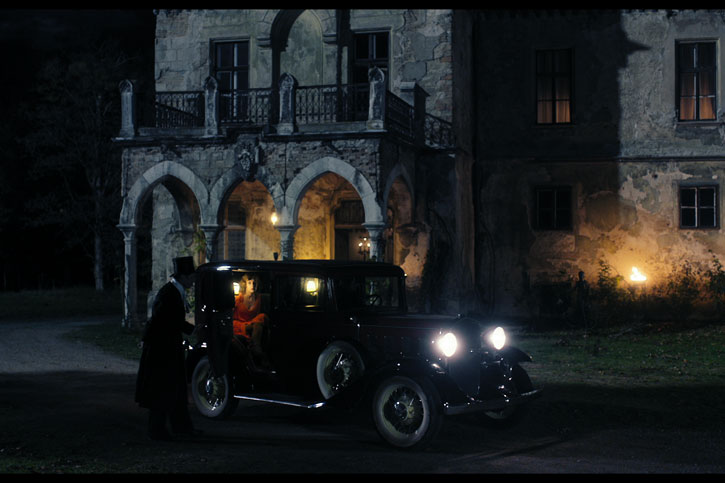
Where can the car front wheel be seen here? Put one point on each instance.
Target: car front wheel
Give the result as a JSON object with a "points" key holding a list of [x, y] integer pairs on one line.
{"points": [[212, 395], [509, 417], [406, 411]]}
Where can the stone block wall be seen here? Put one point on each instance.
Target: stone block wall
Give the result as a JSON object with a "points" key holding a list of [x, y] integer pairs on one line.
{"points": [[421, 48]]}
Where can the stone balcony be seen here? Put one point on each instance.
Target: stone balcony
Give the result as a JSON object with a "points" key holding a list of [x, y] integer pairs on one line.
{"points": [[290, 109]]}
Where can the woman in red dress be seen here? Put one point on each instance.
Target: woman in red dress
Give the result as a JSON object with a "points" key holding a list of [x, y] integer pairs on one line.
{"points": [[249, 323]]}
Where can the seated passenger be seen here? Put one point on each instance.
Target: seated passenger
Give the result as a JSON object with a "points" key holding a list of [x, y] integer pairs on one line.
{"points": [[249, 323]]}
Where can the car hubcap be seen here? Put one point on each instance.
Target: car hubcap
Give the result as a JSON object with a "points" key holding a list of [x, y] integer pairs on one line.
{"points": [[339, 372], [212, 389], [404, 410]]}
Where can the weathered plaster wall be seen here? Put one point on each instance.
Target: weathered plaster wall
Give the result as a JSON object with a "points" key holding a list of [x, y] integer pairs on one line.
{"points": [[624, 156], [625, 214]]}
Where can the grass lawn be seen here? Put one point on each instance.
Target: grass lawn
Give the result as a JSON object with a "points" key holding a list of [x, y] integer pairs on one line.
{"points": [[632, 356], [62, 302]]}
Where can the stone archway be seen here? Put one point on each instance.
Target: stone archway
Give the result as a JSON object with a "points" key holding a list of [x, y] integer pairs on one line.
{"points": [[218, 196], [189, 195], [374, 215], [275, 27]]}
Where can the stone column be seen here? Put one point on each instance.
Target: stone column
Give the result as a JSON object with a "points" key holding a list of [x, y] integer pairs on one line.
{"points": [[287, 87], [377, 245], [287, 241], [211, 232], [376, 109], [128, 110], [129, 286], [211, 110]]}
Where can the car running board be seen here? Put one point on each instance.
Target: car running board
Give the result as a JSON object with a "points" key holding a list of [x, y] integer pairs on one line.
{"points": [[282, 399]]}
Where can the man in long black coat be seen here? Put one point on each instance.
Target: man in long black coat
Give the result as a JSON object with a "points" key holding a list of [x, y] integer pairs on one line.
{"points": [[161, 380]]}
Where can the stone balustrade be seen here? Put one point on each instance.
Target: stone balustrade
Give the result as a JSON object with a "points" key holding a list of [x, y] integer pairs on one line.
{"points": [[282, 110]]}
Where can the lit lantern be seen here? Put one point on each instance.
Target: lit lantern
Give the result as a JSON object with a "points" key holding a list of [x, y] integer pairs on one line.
{"points": [[236, 288], [274, 218], [311, 286], [637, 276]]}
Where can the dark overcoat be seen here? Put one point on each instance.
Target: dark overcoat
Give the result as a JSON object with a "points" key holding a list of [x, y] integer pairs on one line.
{"points": [[161, 375]]}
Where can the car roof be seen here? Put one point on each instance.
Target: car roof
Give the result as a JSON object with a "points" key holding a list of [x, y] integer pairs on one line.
{"points": [[328, 266]]}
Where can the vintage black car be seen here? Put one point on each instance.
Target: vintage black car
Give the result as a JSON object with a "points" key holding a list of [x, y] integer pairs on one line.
{"points": [[339, 333]]}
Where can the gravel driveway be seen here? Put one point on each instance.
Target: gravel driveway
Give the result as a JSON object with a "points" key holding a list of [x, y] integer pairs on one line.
{"points": [[37, 346]]}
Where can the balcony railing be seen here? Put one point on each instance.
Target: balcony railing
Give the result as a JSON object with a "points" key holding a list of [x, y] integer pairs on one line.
{"points": [[328, 104], [249, 106], [174, 109], [399, 116], [208, 110], [439, 133]]}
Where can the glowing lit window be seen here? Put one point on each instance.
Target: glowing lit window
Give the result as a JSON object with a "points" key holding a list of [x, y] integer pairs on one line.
{"points": [[554, 86], [696, 67], [698, 207]]}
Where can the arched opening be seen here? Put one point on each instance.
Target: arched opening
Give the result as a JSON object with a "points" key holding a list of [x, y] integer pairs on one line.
{"points": [[330, 218], [302, 56], [169, 215], [249, 231]]}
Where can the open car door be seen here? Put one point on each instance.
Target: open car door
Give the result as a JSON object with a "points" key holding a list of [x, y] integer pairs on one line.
{"points": [[215, 299]]}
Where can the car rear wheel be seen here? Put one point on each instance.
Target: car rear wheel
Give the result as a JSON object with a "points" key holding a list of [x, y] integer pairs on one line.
{"points": [[212, 396], [338, 366], [406, 411]]}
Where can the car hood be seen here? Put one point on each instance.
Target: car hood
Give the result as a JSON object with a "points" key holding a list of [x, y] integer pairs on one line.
{"points": [[408, 321]]}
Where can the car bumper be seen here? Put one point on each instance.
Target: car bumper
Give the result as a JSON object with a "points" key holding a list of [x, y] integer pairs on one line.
{"points": [[495, 404]]}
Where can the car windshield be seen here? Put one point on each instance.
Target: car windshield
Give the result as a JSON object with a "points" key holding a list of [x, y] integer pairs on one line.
{"points": [[378, 293]]}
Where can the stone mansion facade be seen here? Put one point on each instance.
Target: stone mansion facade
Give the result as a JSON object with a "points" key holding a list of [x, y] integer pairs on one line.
{"points": [[485, 152]]}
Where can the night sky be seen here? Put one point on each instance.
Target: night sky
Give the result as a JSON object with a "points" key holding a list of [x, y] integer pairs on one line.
{"points": [[27, 37], [27, 34]]}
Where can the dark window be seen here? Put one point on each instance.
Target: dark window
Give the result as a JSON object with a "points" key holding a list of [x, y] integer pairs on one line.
{"points": [[350, 212], [554, 86], [553, 208], [698, 207], [231, 70], [369, 50], [696, 66], [234, 235]]}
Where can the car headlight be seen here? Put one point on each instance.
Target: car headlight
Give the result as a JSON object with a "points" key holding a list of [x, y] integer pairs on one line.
{"points": [[497, 338], [447, 344]]}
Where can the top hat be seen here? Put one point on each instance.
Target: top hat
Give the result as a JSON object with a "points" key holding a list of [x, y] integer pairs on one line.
{"points": [[183, 265]]}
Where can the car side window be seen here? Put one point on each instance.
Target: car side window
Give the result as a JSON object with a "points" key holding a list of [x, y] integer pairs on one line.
{"points": [[369, 292], [300, 293]]}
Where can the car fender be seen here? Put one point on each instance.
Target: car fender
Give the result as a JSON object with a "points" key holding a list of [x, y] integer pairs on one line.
{"points": [[415, 368], [514, 355]]}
